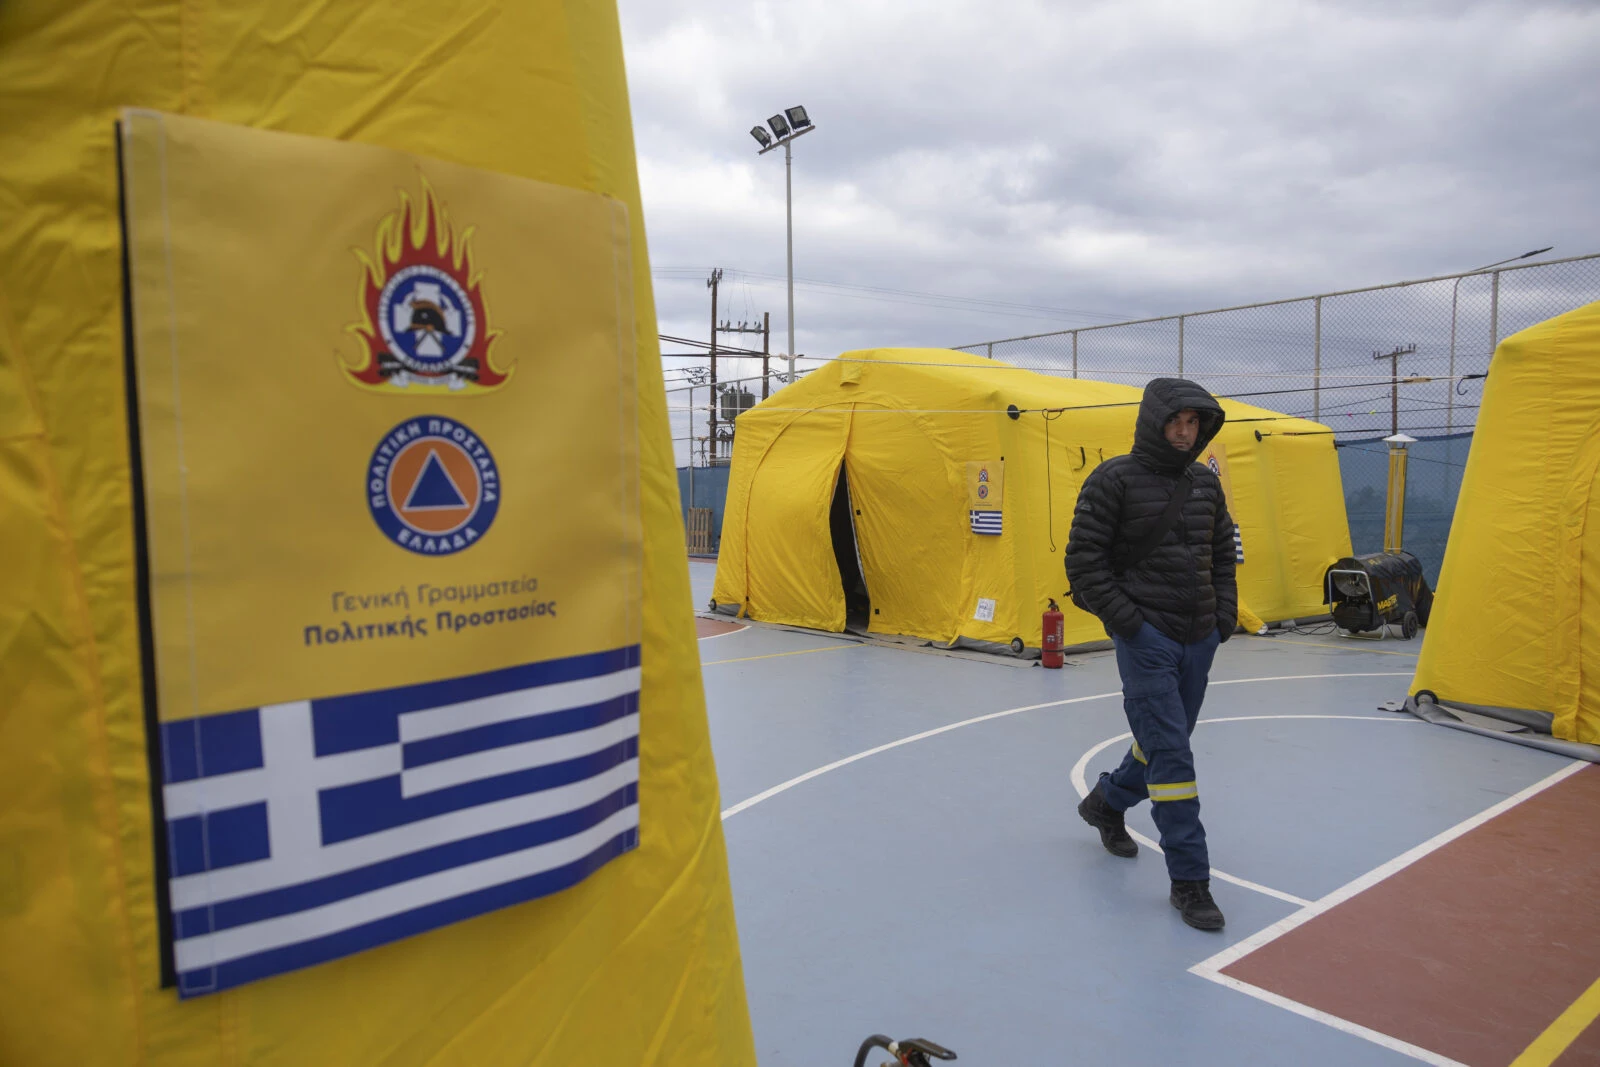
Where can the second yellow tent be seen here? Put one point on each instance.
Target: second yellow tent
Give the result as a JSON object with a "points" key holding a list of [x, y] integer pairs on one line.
{"points": [[950, 479]]}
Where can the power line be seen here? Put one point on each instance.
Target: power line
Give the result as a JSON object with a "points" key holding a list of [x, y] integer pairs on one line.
{"points": [[906, 296]]}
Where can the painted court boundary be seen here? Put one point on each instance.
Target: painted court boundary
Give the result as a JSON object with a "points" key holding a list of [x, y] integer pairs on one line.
{"points": [[726, 633], [1211, 969], [1082, 786], [783, 787]]}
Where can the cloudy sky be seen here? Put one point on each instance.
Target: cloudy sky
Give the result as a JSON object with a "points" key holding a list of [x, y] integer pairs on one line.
{"points": [[987, 168]]}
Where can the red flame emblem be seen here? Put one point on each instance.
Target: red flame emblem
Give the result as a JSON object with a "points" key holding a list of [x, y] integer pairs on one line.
{"points": [[424, 319]]}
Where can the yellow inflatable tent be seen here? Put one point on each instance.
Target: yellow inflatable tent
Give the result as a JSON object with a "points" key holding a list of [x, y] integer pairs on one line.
{"points": [[1515, 630], [960, 512], [287, 166]]}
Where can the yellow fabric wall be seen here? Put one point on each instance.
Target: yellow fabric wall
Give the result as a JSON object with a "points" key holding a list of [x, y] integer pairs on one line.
{"points": [[920, 415], [794, 498], [897, 466], [638, 964], [1516, 623], [1289, 503]]}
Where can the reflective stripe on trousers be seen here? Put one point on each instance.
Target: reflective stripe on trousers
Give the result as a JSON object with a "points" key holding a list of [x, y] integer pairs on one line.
{"points": [[1163, 685]]}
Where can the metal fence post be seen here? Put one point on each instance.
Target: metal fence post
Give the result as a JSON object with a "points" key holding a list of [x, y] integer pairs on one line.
{"points": [[1074, 353], [1180, 346], [1450, 398], [1316, 383], [1494, 316]]}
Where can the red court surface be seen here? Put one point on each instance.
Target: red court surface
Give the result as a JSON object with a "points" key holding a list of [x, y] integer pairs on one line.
{"points": [[714, 627], [1472, 951]]}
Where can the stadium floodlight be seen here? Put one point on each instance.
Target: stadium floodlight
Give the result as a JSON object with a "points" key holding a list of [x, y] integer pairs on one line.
{"points": [[787, 129]]}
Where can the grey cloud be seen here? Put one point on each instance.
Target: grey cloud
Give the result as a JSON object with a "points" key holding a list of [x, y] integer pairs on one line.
{"points": [[1135, 158]]}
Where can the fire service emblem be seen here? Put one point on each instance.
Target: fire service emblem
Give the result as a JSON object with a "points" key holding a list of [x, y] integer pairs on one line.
{"points": [[425, 323]]}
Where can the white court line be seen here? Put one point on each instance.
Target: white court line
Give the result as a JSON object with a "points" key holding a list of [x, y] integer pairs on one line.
{"points": [[1081, 785], [1394, 1044], [1377, 874], [1211, 969], [726, 633], [783, 787]]}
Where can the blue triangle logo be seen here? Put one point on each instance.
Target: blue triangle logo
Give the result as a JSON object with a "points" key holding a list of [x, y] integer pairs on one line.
{"points": [[434, 489]]}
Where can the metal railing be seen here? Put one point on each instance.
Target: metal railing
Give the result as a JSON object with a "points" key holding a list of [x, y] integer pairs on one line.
{"points": [[1315, 354]]}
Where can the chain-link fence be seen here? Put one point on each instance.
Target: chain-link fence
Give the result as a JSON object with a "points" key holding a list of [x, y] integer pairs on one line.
{"points": [[1433, 479], [1365, 362], [1314, 356]]}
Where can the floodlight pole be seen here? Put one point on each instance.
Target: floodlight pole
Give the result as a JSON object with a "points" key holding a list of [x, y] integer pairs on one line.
{"points": [[788, 209], [788, 220]]}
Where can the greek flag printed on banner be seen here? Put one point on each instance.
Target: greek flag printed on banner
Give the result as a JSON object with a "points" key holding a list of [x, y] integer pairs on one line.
{"points": [[301, 832], [985, 522], [1238, 545]]}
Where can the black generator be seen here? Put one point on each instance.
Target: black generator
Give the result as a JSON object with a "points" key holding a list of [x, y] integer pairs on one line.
{"points": [[1376, 591]]}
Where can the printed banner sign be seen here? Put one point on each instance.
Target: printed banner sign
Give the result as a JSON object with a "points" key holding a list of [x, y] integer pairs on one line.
{"points": [[386, 469], [1216, 457], [985, 487]]}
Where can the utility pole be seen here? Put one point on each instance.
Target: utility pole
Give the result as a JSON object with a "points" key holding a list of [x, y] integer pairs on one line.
{"points": [[765, 330], [712, 283], [1394, 379]]}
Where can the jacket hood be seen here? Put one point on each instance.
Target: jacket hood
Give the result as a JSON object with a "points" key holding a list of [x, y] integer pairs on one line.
{"points": [[1164, 398]]}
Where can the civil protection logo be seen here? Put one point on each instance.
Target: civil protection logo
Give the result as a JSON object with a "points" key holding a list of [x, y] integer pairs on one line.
{"points": [[432, 486], [425, 322]]}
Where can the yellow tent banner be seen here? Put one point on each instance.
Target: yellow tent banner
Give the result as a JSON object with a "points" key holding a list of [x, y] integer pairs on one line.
{"points": [[986, 485], [403, 584], [1215, 456], [345, 719]]}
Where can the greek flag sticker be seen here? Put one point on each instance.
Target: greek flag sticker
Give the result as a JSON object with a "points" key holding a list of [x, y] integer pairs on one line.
{"points": [[985, 522], [305, 831]]}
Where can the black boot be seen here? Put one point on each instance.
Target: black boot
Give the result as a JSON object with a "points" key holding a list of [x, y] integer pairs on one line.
{"points": [[1193, 899], [1108, 820]]}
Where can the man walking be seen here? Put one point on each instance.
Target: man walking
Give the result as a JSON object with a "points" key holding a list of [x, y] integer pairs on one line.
{"points": [[1151, 555]]}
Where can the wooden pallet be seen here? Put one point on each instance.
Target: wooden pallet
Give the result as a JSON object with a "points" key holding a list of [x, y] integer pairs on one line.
{"points": [[698, 528]]}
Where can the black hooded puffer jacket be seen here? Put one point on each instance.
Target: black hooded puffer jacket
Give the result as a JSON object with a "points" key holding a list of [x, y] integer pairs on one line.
{"points": [[1185, 587]]}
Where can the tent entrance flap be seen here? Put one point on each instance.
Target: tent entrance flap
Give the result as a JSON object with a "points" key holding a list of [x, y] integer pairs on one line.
{"points": [[842, 525]]}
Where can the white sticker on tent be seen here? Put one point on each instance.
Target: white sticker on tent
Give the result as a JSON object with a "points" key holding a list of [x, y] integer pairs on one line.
{"points": [[985, 612]]}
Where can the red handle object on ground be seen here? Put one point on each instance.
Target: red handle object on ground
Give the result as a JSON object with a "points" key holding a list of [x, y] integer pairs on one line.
{"points": [[1051, 656]]}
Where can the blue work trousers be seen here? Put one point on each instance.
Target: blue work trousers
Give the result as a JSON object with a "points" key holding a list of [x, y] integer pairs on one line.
{"points": [[1163, 684]]}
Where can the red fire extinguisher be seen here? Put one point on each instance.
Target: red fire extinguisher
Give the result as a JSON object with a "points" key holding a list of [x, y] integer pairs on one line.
{"points": [[1050, 648]]}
